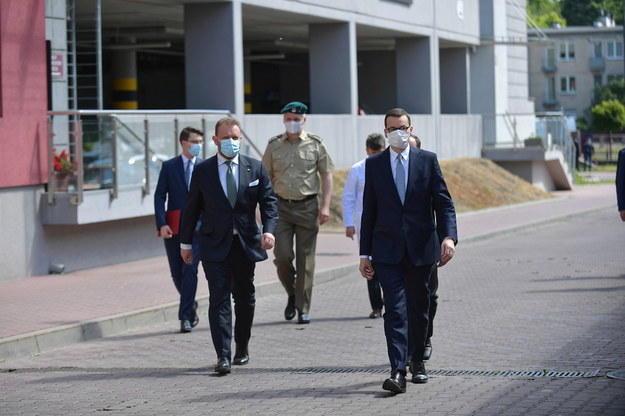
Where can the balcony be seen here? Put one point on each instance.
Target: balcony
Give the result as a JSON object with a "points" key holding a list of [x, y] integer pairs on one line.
{"points": [[596, 63], [549, 65]]}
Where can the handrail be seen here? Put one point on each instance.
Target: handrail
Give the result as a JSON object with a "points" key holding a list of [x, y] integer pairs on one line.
{"points": [[74, 143]]}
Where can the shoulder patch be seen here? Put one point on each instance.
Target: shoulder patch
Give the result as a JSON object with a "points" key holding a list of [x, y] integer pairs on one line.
{"points": [[274, 138]]}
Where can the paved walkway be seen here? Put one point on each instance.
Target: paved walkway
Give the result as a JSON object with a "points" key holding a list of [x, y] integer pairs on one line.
{"points": [[530, 322]]}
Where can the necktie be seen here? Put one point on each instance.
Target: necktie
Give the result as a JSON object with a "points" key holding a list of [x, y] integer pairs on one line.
{"points": [[231, 185], [400, 178], [187, 173]]}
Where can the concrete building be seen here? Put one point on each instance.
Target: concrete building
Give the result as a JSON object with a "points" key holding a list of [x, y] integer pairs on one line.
{"points": [[565, 68], [111, 82]]}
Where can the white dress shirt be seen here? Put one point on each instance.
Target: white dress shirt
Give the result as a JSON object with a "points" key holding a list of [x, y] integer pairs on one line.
{"points": [[352, 194]]}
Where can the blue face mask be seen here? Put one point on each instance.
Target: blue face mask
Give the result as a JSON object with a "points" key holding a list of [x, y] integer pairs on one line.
{"points": [[195, 149], [230, 147]]}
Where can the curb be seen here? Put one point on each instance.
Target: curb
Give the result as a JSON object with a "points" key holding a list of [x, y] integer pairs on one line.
{"points": [[41, 341]]}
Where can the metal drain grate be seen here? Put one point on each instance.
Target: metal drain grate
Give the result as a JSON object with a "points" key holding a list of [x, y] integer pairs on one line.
{"points": [[446, 373]]}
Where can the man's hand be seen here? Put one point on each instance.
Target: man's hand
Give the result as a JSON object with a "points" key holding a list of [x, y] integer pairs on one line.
{"points": [[187, 255], [448, 249], [324, 215], [366, 268], [350, 231], [166, 231], [267, 241]]}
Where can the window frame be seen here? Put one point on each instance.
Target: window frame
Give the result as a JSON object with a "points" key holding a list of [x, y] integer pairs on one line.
{"points": [[569, 51], [568, 81], [614, 44]]}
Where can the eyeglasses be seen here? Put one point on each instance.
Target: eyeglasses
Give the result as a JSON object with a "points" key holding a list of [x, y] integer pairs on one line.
{"points": [[392, 129]]}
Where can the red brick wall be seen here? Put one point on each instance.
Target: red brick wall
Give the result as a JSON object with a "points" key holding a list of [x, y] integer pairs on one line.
{"points": [[23, 93]]}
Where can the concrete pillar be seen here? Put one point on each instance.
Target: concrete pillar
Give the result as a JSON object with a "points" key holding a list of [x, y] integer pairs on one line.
{"points": [[453, 81], [125, 95], [333, 68], [413, 58], [213, 56]]}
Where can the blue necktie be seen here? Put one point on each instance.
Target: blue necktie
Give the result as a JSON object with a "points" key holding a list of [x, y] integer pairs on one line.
{"points": [[231, 185], [187, 173], [400, 178]]}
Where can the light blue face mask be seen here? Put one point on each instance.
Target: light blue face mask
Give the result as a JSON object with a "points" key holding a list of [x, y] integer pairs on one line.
{"points": [[230, 147], [195, 149]]}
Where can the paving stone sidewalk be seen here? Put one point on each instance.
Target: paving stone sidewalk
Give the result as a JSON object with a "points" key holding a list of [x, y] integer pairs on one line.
{"points": [[530, 322]]}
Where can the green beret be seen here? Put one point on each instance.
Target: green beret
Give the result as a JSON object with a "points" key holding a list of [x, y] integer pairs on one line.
{"points": [[294, 107]]}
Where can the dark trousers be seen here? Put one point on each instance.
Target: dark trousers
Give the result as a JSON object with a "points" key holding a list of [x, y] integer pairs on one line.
{"points": [[406, 303], [375, 293], [234, 275], [184, 275], [433, 300]]}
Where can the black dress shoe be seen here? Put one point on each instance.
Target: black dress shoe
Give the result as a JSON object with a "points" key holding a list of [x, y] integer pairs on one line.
{"points": [[303, 318], [241, 357], [223, 366], [417, 368], [185, 326], [376, 313], [396, 383], [427, 353], [196, 318], [289, 311]]}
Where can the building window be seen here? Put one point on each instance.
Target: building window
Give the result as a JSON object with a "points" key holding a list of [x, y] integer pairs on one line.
{"points": [[597, 49], [567, 85], [550, 56], [615, 49], [550, 93], [597, 81], [567, 51]]}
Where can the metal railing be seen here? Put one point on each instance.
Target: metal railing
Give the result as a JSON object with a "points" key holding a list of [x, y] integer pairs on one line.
{"points": [[109, 149]]}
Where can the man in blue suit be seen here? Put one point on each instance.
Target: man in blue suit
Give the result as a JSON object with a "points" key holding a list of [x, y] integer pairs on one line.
{"points": [[225, 191], [173, 187], [408, 225]]}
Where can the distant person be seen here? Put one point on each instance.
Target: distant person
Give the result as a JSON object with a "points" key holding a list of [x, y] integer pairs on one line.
{"points": [[427, 352], [352, 208], [589, 150], [300, 167], [620, 183], [406, 207], [225, 191], [173, 188]]}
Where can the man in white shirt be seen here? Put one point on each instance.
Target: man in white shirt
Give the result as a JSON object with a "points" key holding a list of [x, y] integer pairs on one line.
{"points": [[352, 209]]}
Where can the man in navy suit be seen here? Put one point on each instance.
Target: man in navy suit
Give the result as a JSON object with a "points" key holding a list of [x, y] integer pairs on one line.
{"points": [[620, 183], [225, 191], [173, 187], [408, 225]]}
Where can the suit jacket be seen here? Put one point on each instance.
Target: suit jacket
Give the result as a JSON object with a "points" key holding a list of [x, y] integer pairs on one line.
{"points": [[620, 180], [171, 187], [219, 220], [389, 229]]}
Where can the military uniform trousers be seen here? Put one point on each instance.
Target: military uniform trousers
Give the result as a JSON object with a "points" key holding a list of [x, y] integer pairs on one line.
{"points": [[297, 219]]}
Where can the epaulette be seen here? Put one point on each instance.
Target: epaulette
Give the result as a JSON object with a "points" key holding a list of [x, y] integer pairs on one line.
{"points": [[314, 136], [275, 138]]}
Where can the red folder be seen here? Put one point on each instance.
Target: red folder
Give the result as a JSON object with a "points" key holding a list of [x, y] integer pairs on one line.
{"points": [[173, 220]]}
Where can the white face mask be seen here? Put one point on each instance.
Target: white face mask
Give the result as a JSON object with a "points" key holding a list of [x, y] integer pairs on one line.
{"points": [[293, 127], [399, 138]]}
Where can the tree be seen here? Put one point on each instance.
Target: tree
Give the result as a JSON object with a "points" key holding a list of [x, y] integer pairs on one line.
{"points": [[614, 90], [545, 13], [608, 116], [586, 12]]}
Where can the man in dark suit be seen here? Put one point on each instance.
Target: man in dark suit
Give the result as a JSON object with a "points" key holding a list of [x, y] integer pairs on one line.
{"points": [[173, 187], [620, 183], [225, 191], [406, 207]]}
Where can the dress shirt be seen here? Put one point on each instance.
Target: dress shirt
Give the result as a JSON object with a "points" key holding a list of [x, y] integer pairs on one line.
{"points": [[352, 194], [405, 154]]}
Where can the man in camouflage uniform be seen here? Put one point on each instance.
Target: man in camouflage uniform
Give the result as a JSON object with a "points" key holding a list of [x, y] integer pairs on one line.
{"points": [[299, 167]]}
